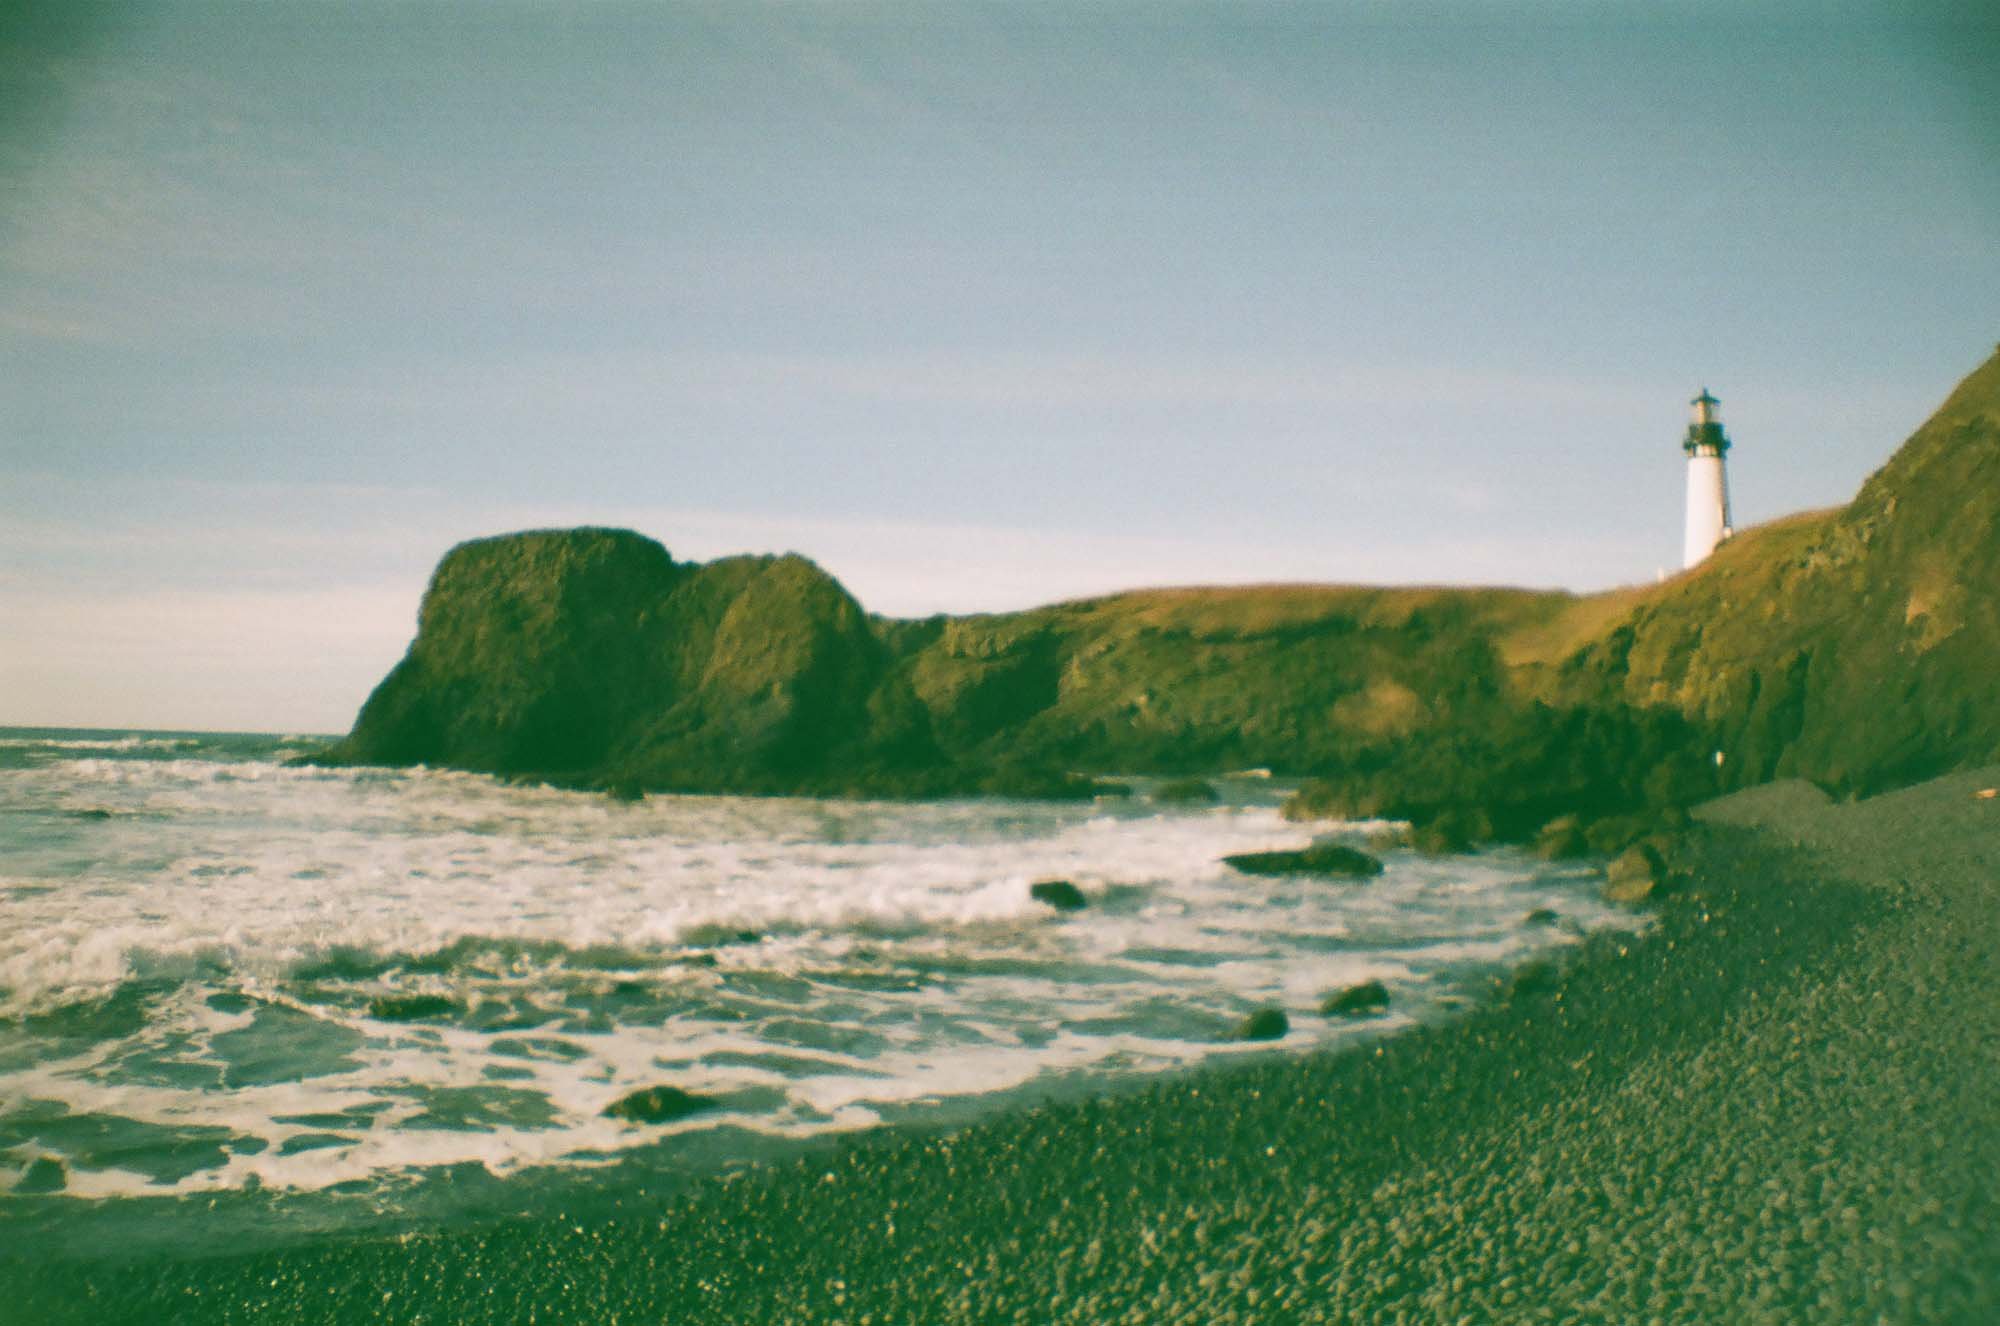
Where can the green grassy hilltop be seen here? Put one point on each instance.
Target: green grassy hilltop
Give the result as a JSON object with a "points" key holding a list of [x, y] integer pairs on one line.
{"points": [[1855, 647]]}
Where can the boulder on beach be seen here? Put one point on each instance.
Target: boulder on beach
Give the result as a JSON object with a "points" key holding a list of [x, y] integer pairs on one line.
{"points": [[1059, 894], [657, 1105], [1266, 1024], [1357, 1001], [1318, 859], [1638, 874]]}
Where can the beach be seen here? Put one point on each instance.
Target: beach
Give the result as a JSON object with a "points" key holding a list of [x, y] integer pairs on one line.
{"points": [[1777, 1105]]}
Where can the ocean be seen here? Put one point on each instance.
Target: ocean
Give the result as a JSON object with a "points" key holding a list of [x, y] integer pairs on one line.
{"points": [[249, 1002]]}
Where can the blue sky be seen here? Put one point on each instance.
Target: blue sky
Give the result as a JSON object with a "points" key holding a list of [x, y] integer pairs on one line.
{"points": [[979, 306]]}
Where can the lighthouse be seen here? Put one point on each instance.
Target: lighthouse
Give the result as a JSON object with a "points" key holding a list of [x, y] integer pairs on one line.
{"points": [[1708, 484]]}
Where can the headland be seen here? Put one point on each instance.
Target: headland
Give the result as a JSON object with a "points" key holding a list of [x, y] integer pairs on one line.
{"points": [[1851, 647]]}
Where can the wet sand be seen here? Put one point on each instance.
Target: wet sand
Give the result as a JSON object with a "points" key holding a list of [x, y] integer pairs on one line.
{"points": [[1781, 1105]]}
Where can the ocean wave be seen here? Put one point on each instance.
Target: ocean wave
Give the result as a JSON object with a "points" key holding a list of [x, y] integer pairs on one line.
{"points": [[100, 743], [346, 976]]}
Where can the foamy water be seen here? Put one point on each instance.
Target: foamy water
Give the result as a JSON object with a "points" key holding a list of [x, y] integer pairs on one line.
{"points": [[220, 973]]}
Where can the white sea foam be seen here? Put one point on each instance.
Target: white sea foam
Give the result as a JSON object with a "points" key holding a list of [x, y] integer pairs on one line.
{"points": [[809, 966]]}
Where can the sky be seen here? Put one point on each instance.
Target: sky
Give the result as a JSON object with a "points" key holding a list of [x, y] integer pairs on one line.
{"points": [[979, 306]]}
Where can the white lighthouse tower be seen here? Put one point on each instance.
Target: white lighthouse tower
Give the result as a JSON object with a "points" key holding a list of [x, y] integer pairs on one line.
{"points": [[1708, 484]]}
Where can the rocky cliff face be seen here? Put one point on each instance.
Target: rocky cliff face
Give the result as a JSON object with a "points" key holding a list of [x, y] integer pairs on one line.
{"points": [[534, 651], [1859, 647], [1855, 647], [590, 655]]}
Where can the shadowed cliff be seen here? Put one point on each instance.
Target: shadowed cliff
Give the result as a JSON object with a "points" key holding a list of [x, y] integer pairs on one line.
{"points": [[591, 656], [1852, 647]]}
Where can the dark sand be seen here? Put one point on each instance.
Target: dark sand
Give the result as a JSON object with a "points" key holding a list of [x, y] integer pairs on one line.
{"points": [[1783, 1105]]}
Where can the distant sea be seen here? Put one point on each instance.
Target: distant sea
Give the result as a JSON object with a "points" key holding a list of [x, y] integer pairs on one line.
{"points": [[246, 1001]]}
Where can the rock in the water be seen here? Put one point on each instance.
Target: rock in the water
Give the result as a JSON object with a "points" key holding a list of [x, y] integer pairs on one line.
{"points": [[1541, 916], [626, 789], [1186, 792], [1561, 839], [1322, 800], [1389, 838], [1319, 859], [1451, 832], [1638, 875], [1356, 1001], [657, 1105], [1059, 894], [1266, 1024], [411, 1008], [45, 1174]]}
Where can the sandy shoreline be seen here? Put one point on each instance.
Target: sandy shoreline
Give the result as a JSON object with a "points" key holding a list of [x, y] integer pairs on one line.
{"points": [[1782, 1105]]}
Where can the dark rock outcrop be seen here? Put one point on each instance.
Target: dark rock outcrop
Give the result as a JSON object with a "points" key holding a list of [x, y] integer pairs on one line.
{"points": [[1059, 894], [412, 1008], [534, 652], [1561, 839], [1357, 1001], [1318, 859], [657, 1105], [45, 1174], [1266, 1024], [591, 657], [1638, 874]]}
